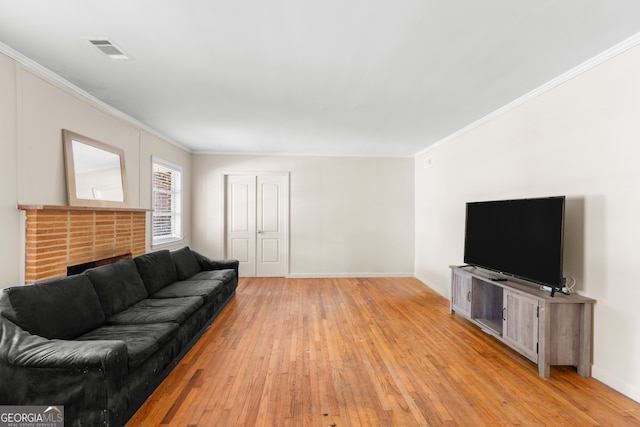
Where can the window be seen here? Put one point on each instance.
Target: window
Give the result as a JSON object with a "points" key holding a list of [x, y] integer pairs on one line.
{"points": [[166, 196]]}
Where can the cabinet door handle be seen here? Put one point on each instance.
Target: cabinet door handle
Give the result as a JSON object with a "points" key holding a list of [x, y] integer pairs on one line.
{"points": [[469, 296], [503, 310]]}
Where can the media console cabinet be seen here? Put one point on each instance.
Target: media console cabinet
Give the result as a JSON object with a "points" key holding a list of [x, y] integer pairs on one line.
{"points": [[547, 330]]}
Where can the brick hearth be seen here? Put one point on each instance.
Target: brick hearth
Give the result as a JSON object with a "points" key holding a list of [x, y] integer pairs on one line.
{"points": [[58, 237]]}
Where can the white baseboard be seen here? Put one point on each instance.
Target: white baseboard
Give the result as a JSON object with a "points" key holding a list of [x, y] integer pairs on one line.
{"points": [[345, 275], [618, 384]]}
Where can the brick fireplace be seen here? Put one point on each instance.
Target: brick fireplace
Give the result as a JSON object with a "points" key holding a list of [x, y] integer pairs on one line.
{"points": [[59, 237]]}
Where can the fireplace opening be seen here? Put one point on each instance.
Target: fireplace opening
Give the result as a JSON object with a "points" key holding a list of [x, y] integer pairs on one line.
{"points": [[80, 268]]}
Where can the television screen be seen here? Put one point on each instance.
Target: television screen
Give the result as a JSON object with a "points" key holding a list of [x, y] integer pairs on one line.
{"points": [[521, 238]]}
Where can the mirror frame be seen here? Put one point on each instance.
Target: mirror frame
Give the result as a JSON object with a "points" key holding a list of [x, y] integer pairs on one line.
{"points": [[68, 137]]}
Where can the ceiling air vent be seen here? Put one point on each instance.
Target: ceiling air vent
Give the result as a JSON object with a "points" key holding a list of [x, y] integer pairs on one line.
{"points": [[107, 47]]}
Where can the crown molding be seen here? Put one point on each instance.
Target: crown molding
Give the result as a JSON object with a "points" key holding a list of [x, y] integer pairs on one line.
{"points": [[57, 79], [608, 54], [303, 154]]}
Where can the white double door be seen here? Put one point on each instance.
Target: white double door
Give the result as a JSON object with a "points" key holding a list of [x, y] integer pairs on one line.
{"points": [[257, 217]]}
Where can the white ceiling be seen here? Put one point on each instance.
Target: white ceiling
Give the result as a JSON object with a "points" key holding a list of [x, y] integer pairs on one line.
{"points": [[313, 77]]}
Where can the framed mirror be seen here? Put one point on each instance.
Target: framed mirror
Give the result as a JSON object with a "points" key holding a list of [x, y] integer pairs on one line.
{"points": [[95, 172]]}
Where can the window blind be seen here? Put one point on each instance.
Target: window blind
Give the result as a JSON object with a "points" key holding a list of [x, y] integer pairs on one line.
{"points": [[166, 202]]}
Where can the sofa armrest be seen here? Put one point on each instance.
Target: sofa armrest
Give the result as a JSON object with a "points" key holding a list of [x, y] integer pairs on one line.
{"points": [[88, 377], [216, 264], [19, 347]]}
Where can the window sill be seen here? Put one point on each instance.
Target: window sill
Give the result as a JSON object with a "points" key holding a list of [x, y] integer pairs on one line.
{"points": [[166, 242]]}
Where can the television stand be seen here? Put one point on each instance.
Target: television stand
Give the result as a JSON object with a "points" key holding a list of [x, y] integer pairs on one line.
{"points": [[548, 330]]}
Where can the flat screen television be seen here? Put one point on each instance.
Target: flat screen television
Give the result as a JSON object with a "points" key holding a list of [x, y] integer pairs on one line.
{"points": [[521, 238]]}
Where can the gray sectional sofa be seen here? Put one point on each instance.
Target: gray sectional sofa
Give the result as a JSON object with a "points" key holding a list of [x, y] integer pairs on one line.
{"points": [[100, 342]]}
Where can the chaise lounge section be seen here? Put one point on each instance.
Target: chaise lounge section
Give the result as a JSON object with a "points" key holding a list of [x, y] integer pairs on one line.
{"points": [[100, 342]]}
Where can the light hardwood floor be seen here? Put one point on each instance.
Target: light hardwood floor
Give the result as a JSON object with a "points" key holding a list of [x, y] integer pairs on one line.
{"points": [[365, 352]]}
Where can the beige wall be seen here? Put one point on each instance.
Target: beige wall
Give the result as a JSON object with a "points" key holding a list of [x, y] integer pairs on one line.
{"points": [[9, 217], [46, 109], [348, 216], [581, 140], [32, 116]]}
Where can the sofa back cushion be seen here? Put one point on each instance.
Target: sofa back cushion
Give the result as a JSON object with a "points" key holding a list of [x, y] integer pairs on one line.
{"points": [[156, 269], [186, 263], [118, 286], [58, 309]]}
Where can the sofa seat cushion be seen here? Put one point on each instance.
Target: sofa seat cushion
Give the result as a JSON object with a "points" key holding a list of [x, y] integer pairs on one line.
{"points": [[156, 269], [61, 308], [207, 289], [186, 263], [118, 286], [157, 311], [141, 340], [225, 275]]}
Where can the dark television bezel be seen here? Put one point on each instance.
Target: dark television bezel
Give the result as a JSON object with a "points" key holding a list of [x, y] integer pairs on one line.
{"points": [[530, 280]]}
